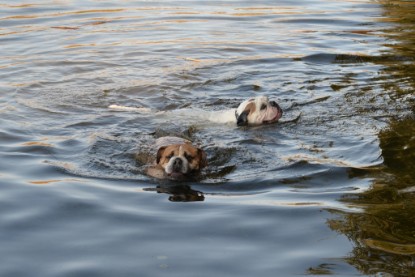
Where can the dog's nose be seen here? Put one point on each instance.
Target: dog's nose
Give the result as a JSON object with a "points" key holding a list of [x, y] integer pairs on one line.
{"points": [[177, 165], [274, 104]]}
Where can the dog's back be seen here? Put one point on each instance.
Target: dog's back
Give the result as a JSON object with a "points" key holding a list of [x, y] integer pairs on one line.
{"points": [[169, 140]]}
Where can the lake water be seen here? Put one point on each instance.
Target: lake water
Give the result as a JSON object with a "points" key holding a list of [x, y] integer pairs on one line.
{"points": [[329, 190]]}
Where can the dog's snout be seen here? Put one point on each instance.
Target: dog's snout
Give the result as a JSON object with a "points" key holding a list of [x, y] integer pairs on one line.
{"points": [[275, 104], [177, 164]]}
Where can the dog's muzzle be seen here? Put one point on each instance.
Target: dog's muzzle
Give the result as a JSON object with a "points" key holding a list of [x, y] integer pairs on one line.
{"points": [[177, 165], [275, 104]]}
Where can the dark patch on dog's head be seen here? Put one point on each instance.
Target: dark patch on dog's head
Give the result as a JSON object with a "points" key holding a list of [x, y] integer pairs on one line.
{"points": [[160, 153], [242, 119], [202, 158]]}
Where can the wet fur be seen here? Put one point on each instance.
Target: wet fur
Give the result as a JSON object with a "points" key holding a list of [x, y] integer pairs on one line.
{"points": [[170, 149]]}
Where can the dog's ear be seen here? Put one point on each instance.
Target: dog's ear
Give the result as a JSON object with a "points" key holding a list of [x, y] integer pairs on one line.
{"points": [[160, 153], [202, 158], [242, 119]]}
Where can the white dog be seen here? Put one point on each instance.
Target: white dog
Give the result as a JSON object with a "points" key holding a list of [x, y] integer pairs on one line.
{"points": [[254, 111]]}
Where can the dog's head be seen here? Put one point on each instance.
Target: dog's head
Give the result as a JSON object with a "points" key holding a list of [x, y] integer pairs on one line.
{"points": [[258, 110], [180, 160]]}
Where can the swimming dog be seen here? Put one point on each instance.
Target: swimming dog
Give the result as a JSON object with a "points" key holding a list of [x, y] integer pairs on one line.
{"points": [[257, 111], [253, 111], [176, 159]]}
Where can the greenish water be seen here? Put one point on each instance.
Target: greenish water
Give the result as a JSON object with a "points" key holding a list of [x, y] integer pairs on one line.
{"points": [[384, 233]]}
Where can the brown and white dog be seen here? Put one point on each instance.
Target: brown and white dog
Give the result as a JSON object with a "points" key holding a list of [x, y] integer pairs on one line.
{"points": [[177, 159], [254, 111]]}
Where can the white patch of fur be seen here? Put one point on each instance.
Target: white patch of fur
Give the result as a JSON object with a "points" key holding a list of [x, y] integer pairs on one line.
{"points": [[184, 168]]}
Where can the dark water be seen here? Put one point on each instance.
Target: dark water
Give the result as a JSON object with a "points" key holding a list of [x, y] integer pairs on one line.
{"points": [[327, 191]]}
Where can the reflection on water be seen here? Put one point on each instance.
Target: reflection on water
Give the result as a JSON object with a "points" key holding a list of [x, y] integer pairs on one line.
{"points": [[384, 233], [179, 193]]}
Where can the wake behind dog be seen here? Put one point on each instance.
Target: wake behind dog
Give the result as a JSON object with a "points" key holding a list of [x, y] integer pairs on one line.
{"points": [[253, 111]]}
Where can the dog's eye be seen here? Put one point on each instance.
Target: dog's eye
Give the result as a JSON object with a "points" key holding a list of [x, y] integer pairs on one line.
{"points": [[263, 107], [188, 157], [170, 156]]}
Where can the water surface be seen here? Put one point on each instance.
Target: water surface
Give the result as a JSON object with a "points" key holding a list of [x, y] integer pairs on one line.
{"points": [[326, 191]]}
